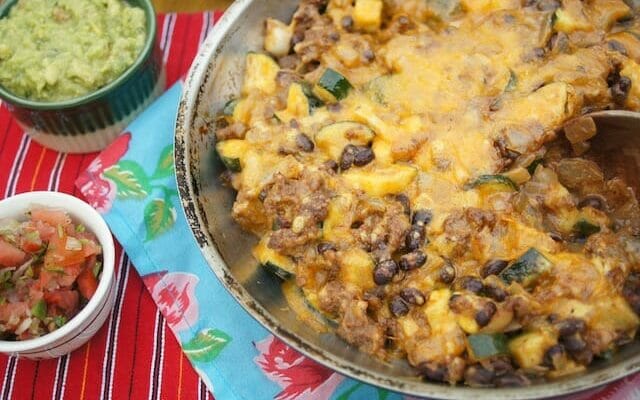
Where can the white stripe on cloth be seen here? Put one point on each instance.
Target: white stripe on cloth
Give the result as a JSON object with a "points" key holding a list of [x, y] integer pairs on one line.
{"points": [[167, 36], [16, 167], [111, 345]]}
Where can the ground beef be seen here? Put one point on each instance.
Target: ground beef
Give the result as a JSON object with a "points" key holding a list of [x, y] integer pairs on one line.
{"points": [[462, 224], [382, 228], [313, 32], [360, 330], [296, 206], [233, 131]]}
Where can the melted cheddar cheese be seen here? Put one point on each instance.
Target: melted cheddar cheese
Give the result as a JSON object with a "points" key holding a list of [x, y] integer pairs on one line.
{"points": [[407, 160]]}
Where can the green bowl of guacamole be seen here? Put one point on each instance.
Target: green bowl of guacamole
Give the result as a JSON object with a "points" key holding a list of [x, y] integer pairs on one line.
{"points": [[74, 73]]}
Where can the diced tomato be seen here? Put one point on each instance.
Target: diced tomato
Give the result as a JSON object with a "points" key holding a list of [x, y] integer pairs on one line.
{"points": [[58, 256], [66, 300], [61, 277], [90, 248], [87, 283], [11, 256], [7, 310], [30, 241], [51, 216], [45, 230]]}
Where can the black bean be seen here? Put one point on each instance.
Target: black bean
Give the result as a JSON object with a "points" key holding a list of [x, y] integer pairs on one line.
{"points": [[297, 37], [413, 296], [334, 36], [294, 124], [620, 90], [348, 157], [347, 22], [384, 272], [447, 273], [574, 343], [413, 260], [511, 379], [323, 247], [304, 143], [493, 267], [553, 355], [356, 224], [334, 107], [631, 291], [404, 200], [369, 55], [422, 217], [570, 326], [617, 46], [471, 283], [398, 307], [594, 201], [364, 155], [495, 292], [555, 236], [501, 365], [433, 371], [584, 357], [331, 165], [263, 195], [414, 238], [484, 315], [476, 375]]}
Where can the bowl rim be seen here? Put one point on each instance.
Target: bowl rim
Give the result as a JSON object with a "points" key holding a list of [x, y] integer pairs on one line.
{"points": [[199, 73], [145, 53], [75, 206]]}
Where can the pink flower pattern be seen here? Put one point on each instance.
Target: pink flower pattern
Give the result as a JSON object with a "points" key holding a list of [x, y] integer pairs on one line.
{"points": [[299, 377], [174, 293], [100, 192]]}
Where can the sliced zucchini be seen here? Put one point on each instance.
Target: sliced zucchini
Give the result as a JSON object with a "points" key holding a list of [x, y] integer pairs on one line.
{"points": [[231, 153], [532, 167], [378, 182], [311, 299], [584, 228], [314, 101], [528, 349], [376, 89], [356, 268], [297, 104], [260, 74], [513, 82], [278, 264], [229, 107], [336, 227], [571, 18], [482, 346], [367, 14], [498, 182], [333, 138], [298, 303], [333, 86], [382, 150], [527, 269]]}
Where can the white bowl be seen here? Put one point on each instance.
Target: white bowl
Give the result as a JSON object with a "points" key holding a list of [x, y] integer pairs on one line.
{"points": [[79, 329]]}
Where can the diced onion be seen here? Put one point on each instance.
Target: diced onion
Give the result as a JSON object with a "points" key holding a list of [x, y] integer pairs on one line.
{"points": [[24, 325], [580, 129], [73, 244], [277, 39]]}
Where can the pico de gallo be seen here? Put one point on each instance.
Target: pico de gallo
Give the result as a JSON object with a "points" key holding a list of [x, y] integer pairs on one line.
{"points": [[49, 269]]}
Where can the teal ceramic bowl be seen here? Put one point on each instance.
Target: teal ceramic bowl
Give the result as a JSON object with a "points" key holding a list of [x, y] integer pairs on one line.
{"points": [[89, 123]]}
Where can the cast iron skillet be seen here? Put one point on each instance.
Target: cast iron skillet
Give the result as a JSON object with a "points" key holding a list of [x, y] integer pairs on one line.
{"points": [[214, 78]]}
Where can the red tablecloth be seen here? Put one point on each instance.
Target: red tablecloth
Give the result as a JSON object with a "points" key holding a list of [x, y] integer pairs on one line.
{"points": [[134, 355]]}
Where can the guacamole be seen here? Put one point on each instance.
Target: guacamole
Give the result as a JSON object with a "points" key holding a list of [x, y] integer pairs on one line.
{"points": [[58, 50]]}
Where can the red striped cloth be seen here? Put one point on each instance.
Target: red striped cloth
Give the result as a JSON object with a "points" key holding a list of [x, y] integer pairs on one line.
{"points": [[134, 355]]}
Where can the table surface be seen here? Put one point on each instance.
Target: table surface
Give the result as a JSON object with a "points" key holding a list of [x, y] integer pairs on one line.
{"points": [[134, 355]]}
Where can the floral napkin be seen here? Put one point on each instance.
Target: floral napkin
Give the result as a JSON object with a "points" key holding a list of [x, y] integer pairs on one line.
{"points": [[132, 183]]}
